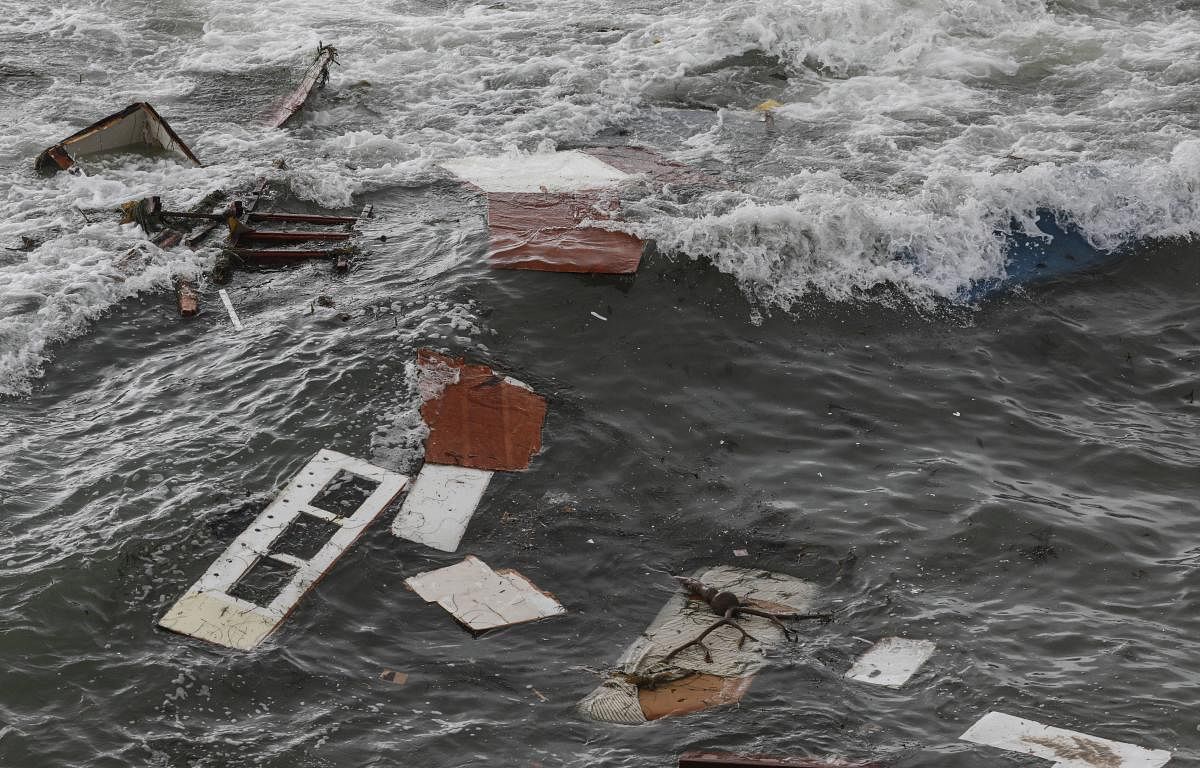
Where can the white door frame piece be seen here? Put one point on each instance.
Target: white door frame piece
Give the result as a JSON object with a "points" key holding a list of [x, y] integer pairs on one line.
{"points": [[207, 611]]}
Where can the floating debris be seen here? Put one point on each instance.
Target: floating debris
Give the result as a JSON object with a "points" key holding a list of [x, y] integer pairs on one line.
{"points": [[440, 505], [315, 77], [1068, 749], [479, 418], [539, 209], [260, 578], [665, 673], [233, 316], [891, 661], [138, 125], [482, 599], [393, 677]]}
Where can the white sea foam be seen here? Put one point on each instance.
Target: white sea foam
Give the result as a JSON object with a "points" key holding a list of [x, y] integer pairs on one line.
{"points": [[912, 129]]}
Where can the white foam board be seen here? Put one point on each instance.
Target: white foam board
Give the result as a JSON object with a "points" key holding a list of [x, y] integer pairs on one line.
{"points": [[570, 171], [1068, 749], [483, 599], [440, 505], [207, 611], [891, 661]]}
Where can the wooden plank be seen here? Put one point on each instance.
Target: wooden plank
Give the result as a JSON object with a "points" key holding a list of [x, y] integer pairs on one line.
{"points": [[233, 316], [207, 611], [314, 77], [546, 233]]}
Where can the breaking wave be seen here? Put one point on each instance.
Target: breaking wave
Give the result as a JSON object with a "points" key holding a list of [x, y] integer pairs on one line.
{"points": [[912, 135]]}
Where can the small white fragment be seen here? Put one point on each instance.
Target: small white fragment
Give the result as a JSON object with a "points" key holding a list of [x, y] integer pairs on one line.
{"points": [[483, 599], [599, 316], [237, 324], [956, 413], [1068, 749], [891, 661], [741, 553], [591, 541]]}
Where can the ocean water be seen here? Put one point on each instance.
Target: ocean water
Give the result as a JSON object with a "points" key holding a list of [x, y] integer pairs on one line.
{"points": [[828, 360]]}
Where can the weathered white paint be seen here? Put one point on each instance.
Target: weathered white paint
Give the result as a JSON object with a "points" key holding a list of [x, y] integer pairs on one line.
{"points": [[440, 505], [208, 612], [483, 599], [233, 315], [891, 661], [570, 171], [1068, 749]]}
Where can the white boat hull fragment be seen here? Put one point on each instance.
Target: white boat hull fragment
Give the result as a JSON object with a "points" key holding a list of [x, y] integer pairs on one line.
{"points": [[482, 599], [1068, 749], [208, 612], [570, 171], [440, 505], [891, 661]]}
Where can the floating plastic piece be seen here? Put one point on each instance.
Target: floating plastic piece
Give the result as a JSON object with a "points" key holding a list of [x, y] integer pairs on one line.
{"points": [[479, 419], [440, 505], [315, 77], [546, 232], [209, 611], [482, 599], [643, 687], [233, 316], [1068, 749], [768, 105], [571, 171], [138, 125], [728, 760], [891, 661], [187, 299]]}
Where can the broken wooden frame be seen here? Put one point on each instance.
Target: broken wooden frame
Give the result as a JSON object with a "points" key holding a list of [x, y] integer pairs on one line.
{"points": [[482, 599], [138, 125], [209, 611], [1068, 749], [314, 78], [644, 687]]}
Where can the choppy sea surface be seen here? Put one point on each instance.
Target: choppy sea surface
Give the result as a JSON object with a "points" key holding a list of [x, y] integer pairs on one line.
{"points": [[804, 368]]}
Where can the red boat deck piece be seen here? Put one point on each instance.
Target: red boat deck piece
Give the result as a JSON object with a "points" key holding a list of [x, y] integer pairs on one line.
{"points": [[729, 760], [479, 418], [544, 232], [314, 77]]}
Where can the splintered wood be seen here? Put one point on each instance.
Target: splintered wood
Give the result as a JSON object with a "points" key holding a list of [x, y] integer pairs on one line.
{"points": [[482, 599], [480, 419], [209, 612], [643, 687]]}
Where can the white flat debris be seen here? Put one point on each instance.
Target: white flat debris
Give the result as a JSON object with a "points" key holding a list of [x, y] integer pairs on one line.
{"points": [[207, 611], [891, 661], [483, 599], [440, 505], [233, 316], [1068, 749], [570, 171]]}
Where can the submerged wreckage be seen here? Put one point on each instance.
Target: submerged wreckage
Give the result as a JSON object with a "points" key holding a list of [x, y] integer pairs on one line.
{"points": [[138, 126]]}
